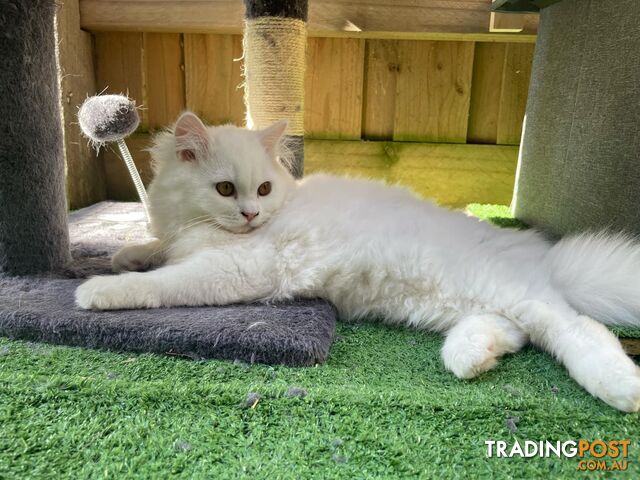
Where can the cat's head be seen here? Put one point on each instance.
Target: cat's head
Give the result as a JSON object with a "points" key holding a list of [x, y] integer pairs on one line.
{"points": [[232, 175]]}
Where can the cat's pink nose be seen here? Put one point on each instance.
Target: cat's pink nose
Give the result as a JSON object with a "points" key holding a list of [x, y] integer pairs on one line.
{"points": [[249, 215]]}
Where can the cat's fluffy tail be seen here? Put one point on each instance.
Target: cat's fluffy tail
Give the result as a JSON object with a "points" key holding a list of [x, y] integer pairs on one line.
{"points": [[599, 276]]}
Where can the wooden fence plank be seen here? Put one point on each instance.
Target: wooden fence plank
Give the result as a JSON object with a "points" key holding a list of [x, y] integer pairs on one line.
{"points": [[119, 66], [163, 78], [381, 70], [515, 88], [433, 91], [85, 176], [333, 88], [486, 89], [213, 77]]}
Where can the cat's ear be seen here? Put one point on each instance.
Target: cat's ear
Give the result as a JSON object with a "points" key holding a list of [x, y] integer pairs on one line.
{"points": [[270, 136], [191, 137]]}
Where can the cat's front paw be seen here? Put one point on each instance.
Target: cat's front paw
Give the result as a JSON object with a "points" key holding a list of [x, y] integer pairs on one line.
{"points": [[115, 293]]}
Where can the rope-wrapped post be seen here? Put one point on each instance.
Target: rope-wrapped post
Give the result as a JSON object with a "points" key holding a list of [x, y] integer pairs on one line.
{"points": [[275, 37]]}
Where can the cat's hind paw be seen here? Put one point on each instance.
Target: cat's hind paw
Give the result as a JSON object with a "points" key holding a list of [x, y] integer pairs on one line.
{"points": [[618, 384], [468, 359]]}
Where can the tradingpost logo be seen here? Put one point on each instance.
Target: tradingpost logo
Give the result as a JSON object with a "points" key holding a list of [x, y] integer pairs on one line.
{"points": [[593, 455]]}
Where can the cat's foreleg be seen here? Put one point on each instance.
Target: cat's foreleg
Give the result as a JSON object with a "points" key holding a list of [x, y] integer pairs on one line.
{"points": [[138, 257], [210, 277], [476, 342], [590, 352]]}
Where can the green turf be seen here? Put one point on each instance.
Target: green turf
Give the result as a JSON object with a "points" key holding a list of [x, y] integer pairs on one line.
{"points": [[382, 407], [499, 215]]}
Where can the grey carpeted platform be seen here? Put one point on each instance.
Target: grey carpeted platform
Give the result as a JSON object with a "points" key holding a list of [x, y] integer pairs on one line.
{"points": [[42, 308]]}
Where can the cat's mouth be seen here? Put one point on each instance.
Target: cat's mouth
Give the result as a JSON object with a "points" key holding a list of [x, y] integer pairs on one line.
{"points": [[243, 229]]}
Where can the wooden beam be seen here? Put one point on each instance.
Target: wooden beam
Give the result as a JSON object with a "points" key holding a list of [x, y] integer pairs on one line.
{"points": [[505, 23], [452, 175], [85, 177], [427, 19]]}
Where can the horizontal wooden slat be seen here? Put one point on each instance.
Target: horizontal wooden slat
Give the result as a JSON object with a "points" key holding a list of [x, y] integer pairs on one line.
{"points": [[453, 175], [428, 19]]}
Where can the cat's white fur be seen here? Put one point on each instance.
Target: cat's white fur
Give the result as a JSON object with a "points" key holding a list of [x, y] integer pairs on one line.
{"points": [[375, 251]]}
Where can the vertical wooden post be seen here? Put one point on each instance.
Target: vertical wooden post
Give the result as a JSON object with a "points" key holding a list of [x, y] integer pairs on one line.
{"points": [[85, 177]]}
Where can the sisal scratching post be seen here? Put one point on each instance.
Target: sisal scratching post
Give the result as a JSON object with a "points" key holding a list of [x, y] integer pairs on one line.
{"points": [[275, 37], [578, 167], [33, 223]]}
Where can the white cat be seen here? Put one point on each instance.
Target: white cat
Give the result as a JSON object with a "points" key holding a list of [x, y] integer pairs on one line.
{"points": [[232, 225]]}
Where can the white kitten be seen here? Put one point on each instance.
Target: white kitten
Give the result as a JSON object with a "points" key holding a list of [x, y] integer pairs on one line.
{"points": [[233, 226]]}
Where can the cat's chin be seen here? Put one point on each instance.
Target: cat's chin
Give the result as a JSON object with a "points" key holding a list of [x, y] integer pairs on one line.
{"points": [[242, 229]]}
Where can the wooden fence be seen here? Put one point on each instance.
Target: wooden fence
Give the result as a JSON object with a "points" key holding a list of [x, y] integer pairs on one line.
{"points": [[400, 90], [430, 94], [389, 90]]}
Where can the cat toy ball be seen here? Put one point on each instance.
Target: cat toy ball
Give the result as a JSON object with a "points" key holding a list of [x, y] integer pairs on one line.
{"points": [[111, 118]]}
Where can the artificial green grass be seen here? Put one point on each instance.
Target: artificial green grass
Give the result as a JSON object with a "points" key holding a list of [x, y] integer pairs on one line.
{"points": [[383, 406], [499, 215]]}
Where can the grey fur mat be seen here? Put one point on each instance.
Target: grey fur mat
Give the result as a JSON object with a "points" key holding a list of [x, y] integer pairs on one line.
{"points": [[42, 308]]}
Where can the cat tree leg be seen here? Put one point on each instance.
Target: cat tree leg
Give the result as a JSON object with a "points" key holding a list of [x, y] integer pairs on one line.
{"points": [[578, 167], [274, 61], [33, 222]]}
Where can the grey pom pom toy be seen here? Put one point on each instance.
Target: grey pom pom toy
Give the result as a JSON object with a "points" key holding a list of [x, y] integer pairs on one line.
{"points": [[108, 118], [111, 118]]}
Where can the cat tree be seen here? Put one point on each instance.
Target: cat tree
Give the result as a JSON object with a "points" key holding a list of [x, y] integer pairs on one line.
{"points": [[578, 167], [33, 211], [38, 276]]}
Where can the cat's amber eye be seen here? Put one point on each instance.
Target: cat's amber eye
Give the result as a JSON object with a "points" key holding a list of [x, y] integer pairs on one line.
{"points": [[264, 189], [226, 189]]}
